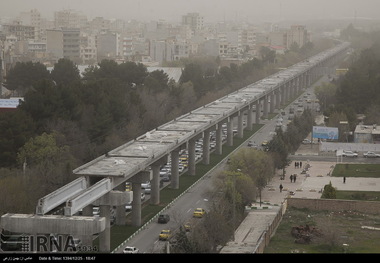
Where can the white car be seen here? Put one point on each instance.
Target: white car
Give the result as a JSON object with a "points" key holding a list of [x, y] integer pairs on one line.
{"points": [[371, 155], [306, 141], [349, 154], [130, 250]]}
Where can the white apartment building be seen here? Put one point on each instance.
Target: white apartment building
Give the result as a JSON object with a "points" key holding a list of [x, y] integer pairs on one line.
{"points": [[88, 50]]}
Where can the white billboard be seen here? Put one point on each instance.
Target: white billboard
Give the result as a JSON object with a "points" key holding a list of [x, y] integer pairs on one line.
{"points": [[329, 133]]}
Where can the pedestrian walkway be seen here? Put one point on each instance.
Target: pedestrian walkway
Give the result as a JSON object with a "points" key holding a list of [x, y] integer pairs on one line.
{"points": [[308, 185]]}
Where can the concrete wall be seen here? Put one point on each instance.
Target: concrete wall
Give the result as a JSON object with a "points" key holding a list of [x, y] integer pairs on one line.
{"points": [[368, 207]]}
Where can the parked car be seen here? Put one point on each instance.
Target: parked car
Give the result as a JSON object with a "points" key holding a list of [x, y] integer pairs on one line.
{"points": [[371, 155], [147, 191], [163, 218], [96, 210], [145, 185], [199, 212], [164, 235], [128, 207], [349, 154], [130, 250]]}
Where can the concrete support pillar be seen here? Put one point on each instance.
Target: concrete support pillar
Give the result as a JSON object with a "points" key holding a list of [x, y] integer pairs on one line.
{"points": [[258, 112], [105, 236], [120, 215], [155, 184], [206, 147], [240, 127], [219, 142], [278, 101], [136, 181], [120, 218], [230, 132], [191, 158], [265, 113], [174, 181], [292, 89], [272, 103], [286, 92], [249, 118], [136, 204]]}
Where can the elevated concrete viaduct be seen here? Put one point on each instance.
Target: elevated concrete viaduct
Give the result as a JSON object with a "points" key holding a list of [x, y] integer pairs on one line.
{"points": [[140, 160]]}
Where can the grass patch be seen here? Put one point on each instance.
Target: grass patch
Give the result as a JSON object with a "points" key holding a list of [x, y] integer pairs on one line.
{"points": [[358, 195], [357, 170], [336, 228]]}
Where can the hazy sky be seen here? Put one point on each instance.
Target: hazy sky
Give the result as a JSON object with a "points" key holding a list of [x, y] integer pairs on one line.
{"points": [[213, 10]]}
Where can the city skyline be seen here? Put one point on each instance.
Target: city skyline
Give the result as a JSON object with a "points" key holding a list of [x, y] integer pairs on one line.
{"points": [[212, 10]]}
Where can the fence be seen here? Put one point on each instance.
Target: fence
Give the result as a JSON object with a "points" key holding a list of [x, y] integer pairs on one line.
{"points": [[268, 233]]}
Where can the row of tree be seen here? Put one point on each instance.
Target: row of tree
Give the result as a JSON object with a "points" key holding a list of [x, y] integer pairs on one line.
{"points": [[357, 91]]}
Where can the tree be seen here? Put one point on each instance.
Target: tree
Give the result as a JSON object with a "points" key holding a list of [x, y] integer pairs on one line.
{"points": [[131, 73], [325, 94], [25, 75], [48, 101], [257, 165], [267, 55], [253, 163], [329, 192], [16, 129], [157, 81], [65, 72], [41, 149], [193, 73]]}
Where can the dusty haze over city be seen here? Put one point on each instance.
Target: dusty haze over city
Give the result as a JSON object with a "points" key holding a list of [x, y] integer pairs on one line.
{"points": [[212, 10]]}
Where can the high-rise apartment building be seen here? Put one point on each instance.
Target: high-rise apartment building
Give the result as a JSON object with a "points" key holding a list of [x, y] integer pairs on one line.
{"points": [[64, 43], [21, 32], [69, 19], [108, 45], [194, 20], [297, 34]]}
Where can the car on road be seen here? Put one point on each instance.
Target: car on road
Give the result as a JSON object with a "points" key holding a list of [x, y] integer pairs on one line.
{"points": [[349, 154], [187, 227], [163, 218], [264, 143], [306, 141], [199, 212], [252, 144], [165, 234], [371, 155], [130, 250]]}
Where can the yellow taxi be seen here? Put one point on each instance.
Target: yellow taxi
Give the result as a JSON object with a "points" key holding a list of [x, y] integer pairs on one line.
{"points": [[187, 227], [164, 235], [199, 212]]}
